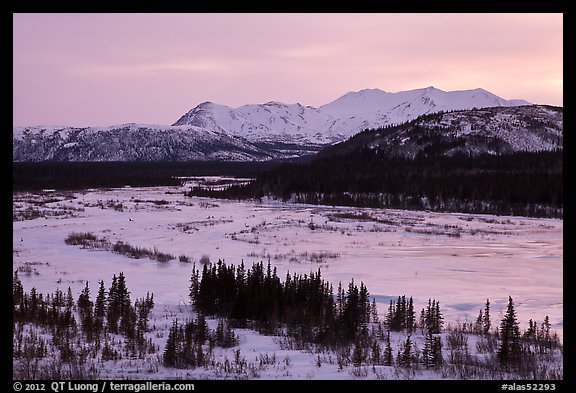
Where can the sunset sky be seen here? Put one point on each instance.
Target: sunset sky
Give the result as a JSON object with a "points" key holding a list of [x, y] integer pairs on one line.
{"points": [[107, 69]]}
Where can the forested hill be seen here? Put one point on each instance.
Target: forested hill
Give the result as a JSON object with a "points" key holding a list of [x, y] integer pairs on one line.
{"points": [[497, 130], [522, 183], [501, 160]]}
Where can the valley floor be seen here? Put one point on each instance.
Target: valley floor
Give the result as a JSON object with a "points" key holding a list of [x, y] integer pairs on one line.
{"points": [[458, 259]]}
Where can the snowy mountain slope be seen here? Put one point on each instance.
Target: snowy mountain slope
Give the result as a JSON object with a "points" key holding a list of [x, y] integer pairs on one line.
{"points": [[269, 122], [250, 132], [338, 120], [492, 130], [130, 142]]}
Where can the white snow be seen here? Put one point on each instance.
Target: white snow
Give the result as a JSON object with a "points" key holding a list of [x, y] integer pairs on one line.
{"points": [[458, 259], [339, 119]]}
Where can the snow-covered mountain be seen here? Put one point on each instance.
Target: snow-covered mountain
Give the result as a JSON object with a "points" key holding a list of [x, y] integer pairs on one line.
{"points": [[494, 130], [131, 142], [338, 120], [247, 133]]}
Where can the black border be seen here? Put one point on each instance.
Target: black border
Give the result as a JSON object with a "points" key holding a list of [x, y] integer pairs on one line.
{"points": [[120, 6]]}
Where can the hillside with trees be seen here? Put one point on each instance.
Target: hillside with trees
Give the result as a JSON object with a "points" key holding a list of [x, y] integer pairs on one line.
{"points": [[523, 183]]}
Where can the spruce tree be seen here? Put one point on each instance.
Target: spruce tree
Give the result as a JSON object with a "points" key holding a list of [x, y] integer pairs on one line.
{"points": [[170, 357], [438, 318], [405, 357], [100, 303], [390, 317], [69, 300], [84, 302], [530, 333], [17, 289], [427, 350], [509, 350], [432, 351], [374, 312], [376, 355], [422, 321], [410, 316], [194, 284], [546, 328], [357, 355], [364, 304], [17, 298], [486, 318], [388, 357], [545, 333], [85, 310], [351, 314], [479, 325], [112, 309]]}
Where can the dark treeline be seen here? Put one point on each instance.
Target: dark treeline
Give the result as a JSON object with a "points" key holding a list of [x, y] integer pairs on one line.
{"points": [[305, 304], [524, 183], [80, 175]]}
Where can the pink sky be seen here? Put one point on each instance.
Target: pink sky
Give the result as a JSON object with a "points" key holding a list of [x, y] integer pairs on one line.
{"points": [[106, 69]]}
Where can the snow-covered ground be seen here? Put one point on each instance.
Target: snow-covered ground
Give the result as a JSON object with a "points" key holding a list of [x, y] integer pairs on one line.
{"points": [[458, 259]]}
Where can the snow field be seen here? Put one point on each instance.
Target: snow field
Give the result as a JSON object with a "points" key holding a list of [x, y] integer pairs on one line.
{"points": [[458, 259]]}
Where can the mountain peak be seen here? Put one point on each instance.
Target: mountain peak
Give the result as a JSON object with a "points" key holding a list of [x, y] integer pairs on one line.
{"points": [[347, 115], [371, 91]]}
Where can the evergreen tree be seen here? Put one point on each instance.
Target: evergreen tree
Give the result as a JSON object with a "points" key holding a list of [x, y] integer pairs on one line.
{"points": [[545, 333], [84, 302], [433, 317], [351, 314], [509, 350], [422, 321], [388, 358], [410, 316], [194, 284], [405, 357], [432, 351], [427, 350], [17, 289], [142, 308], [374, 312], [479, 324], [340, 299], [112, 309], [364, 304], [390, 317], [17, 298], [531, 331], [123, 300], [438, 318], [239, 308], [100, 306], [546, 329], [376, 356], [357, 355], [69, 300], [486, 318], [85, 310], [170, 357]]}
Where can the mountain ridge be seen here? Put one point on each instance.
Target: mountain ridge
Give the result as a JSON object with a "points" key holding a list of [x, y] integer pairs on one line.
{"points": [[251, 132], [337, 120], [494, 130]]}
